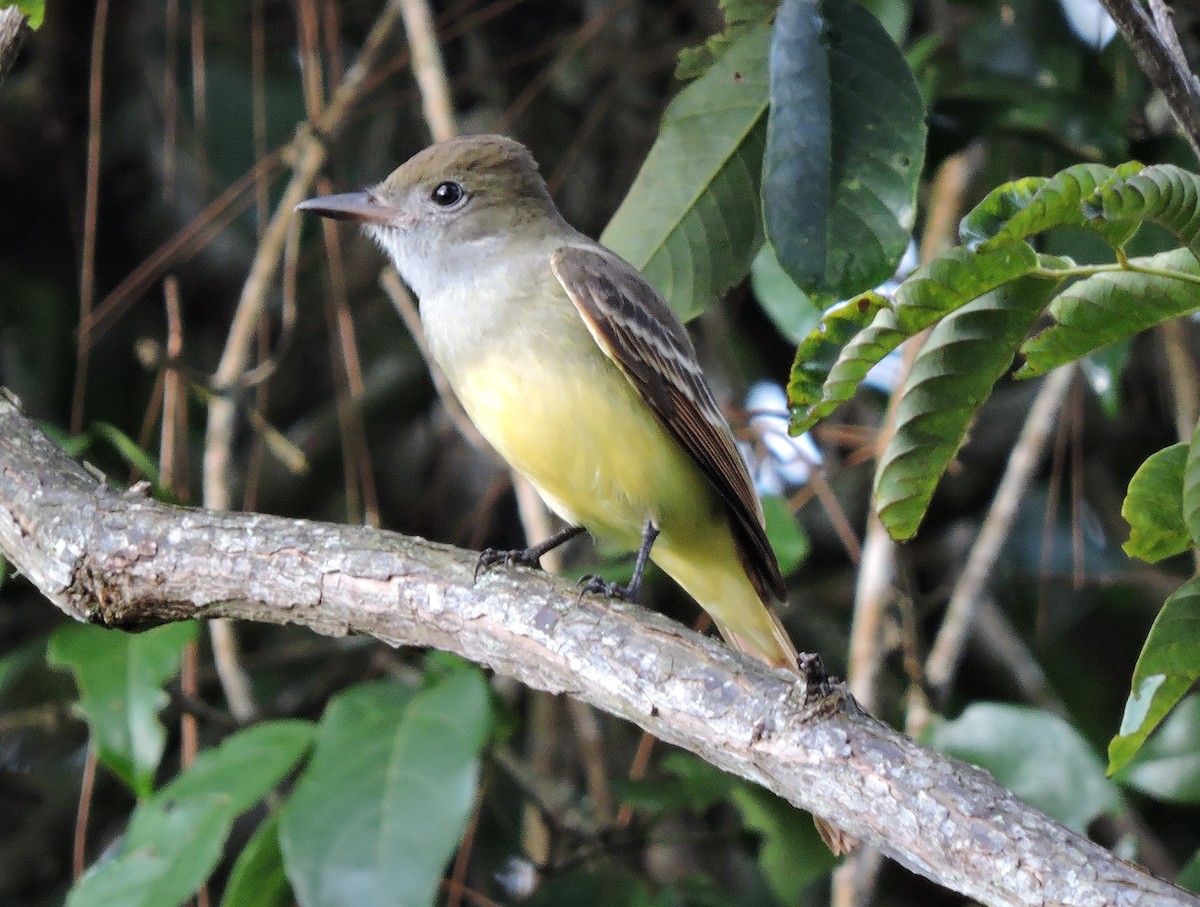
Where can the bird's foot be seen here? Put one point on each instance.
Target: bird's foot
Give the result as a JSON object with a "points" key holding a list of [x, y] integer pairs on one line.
{"points": [[509, 557], [597, 586]]}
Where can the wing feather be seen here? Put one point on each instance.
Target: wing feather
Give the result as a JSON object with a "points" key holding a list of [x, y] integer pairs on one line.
{"points": [[636, 328]]}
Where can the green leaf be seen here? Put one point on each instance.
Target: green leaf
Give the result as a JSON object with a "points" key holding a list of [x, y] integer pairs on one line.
{"points": [[154, 869], [35, 10], [788, 538], [684, 782], [812, 394], [790, 309], [1191, 488], [792, 855], [964, 356], [740, 16], [845, 142], [246, 765], [120, 677], [1165, 671], [1163, 194], [998, 207], [168, 852], [1189, 876], [257, 878], [1036, 755], [387, 793], [948, 282], [691, 221], [1112, 305], [129, 451], [1152, 506], [1168, 766], [1038, 205]]}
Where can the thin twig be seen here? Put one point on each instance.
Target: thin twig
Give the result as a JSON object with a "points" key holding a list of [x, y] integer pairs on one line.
{"points": [[969, 592], [87, 786], [91, 205], [429, 69]]}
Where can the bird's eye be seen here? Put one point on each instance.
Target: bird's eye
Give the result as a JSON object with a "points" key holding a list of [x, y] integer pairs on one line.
{"points": [[447, 194]]}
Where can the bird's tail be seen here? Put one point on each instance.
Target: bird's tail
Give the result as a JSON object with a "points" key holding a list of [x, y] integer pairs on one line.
{"points": [[775, 647]]}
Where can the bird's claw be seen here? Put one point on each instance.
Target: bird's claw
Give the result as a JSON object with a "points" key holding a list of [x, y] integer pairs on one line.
{"points": [[514, 557], [597, 586]]}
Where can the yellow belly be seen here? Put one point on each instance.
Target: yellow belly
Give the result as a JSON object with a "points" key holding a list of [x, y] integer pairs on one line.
{"points": [[582, 435], [597, 455]]}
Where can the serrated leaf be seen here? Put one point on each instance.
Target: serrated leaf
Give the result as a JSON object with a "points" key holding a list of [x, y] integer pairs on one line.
{"points": [[1112, 305], [952, 375], [1164, 194], [385, 797], [1168, 766], [257, 878], [809, 397], [120, 677], [845, 142], [691, 221], [998, 207], [792, 855], [1036, 755], [1152, 506], [168, 852], [1057, 202], [948, 282], [1165, 671]]}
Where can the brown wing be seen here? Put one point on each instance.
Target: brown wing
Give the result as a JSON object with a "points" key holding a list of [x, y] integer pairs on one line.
{"points": [[636, 328]]}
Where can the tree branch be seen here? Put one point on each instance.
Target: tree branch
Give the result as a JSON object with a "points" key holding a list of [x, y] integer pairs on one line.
{"points": [[121, 560], [1156, 47]]}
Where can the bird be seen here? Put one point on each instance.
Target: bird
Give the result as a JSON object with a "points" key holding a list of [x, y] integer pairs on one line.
{"points": [[579, 374]]}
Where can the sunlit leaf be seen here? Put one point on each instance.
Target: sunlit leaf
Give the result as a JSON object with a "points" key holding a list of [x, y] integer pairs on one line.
{"points": [[1112, 305], [1164, 194], [948, 282], [120, 678], [1168, 766], [1165, 671], [1152, 506], [952, 375], [1055, 202]]}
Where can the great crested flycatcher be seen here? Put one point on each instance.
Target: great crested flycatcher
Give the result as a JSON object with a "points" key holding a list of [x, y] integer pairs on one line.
{"points": [[579, 374]]}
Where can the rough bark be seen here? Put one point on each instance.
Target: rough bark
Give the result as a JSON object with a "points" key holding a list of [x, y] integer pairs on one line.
{"points": [[14, 28], [119, 559]]}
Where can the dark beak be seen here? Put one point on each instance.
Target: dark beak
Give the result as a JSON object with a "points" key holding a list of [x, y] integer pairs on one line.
{"points": [[356, 206]]}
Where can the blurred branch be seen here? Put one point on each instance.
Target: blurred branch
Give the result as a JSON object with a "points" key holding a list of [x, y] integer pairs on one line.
{"points": [[14, 29], [121, 560], [1152, 36]]}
